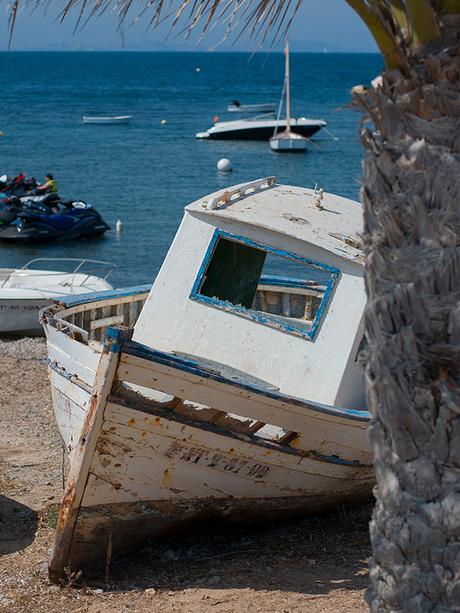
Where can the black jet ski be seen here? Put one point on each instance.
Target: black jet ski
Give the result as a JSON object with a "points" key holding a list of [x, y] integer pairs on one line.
{"points": [[46, 204], [73, 219]]}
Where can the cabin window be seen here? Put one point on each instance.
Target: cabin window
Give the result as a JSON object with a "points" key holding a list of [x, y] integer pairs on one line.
{"points": [[275, 288]]}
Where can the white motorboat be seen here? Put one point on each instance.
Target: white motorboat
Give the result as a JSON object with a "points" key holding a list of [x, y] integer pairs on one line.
{"points": [[263, 125], [106, 119], [240, 393], [24, 291], [260, 128], [237, 107], [287, 141]]}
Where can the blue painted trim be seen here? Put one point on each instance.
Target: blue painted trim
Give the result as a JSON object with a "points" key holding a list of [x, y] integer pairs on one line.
{"points": [[288, 282], [77, 299], [204, 264], [202, 370], [115, 337], [265, 320]]}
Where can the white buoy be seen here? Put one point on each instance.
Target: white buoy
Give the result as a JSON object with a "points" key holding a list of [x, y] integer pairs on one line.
{"points": [[197, 69], [163, 122], [224, 165], [118, 226]]}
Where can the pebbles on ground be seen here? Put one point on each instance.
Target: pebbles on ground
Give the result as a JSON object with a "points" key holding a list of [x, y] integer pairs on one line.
{"points": [[23, 348]]}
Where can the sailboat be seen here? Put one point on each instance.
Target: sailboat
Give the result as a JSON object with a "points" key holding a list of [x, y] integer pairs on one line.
{"points": [[287, 141]]}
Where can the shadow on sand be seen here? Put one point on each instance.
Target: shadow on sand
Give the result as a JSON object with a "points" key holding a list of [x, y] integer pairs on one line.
{"points": [[18, 524], [312, 556]]}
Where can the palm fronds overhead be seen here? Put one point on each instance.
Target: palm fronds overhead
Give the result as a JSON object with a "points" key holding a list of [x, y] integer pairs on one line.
{"points": [[256, 17], [399, 27]]}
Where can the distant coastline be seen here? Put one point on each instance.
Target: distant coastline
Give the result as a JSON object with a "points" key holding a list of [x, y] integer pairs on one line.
{"points": [[188, 51]]}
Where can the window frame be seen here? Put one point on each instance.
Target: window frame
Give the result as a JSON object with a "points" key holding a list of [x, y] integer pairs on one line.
{"points": [[263, 318]]}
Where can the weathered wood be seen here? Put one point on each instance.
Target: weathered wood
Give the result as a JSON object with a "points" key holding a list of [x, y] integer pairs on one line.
{"points": [[106, 322], [345, 438], [150, 475], [83, 454]]}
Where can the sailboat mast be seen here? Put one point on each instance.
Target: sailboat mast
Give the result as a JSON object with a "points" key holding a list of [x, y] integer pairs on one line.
{"points": [[288, 89]]}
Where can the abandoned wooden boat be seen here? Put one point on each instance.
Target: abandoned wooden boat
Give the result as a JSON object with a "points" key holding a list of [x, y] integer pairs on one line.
{"points": [[230, 388]]}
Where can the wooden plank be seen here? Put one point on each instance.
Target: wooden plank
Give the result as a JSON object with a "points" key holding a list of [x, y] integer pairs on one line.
{"points": [[88, 306], [75, 358], [199, 412], [111, 295], [332, 434], [315, 438], [160, 459], [106, 322], [83, 455], [297, 291]]}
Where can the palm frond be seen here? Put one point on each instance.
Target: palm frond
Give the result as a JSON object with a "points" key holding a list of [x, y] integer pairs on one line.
{"points": [[398, 26], [257, 17]]}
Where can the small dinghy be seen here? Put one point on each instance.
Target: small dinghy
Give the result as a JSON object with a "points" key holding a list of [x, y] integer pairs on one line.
{"points": [[287, 141], [231, 388], [24, 291], [237, 107], [106, 119]]}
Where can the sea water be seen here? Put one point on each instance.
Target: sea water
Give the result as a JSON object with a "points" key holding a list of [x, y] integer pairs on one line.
{"points": [[144, 173]]}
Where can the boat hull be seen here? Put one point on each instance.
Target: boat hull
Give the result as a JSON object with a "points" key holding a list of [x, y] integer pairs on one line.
{"points": [[122, 119], [169, 477], [24, 292], [260, 132], [143, 467], [21, 317], [288, 145]]}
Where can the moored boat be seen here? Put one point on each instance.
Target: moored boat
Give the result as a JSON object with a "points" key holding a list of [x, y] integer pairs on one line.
{"points": [[24, 291], [231, 388], [106, 119], [237, 107], [260, 128], [287, 141]]}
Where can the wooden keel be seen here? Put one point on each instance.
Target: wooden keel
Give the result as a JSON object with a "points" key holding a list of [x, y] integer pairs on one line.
{"points": [[126, 526]]}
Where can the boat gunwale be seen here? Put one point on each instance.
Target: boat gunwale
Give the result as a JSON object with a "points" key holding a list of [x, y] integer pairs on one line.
{"points": [[68, 302], [138, 350], [65, 306]]}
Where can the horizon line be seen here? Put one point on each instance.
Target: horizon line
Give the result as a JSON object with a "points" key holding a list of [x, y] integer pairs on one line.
{"points": [[336, 52]]}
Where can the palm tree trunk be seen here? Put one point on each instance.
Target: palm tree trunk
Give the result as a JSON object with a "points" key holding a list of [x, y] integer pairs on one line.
{"points": [[411, 199]]}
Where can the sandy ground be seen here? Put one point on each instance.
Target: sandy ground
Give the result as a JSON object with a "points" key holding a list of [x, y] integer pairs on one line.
{"points": [[318, 564]]}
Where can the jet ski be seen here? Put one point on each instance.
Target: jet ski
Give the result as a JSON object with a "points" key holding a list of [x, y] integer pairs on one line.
{"points": [[19, 185], [10, 207], [73, 219]]}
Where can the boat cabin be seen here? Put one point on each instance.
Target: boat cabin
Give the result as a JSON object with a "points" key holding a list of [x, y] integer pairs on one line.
{"points": [[266, 281]]}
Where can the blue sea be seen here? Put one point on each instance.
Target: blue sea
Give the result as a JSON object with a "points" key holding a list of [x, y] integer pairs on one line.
{"points": [[145, 173]]}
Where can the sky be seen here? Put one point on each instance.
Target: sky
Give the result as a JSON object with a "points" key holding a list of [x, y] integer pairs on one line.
{"points": [[318, 26]]}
